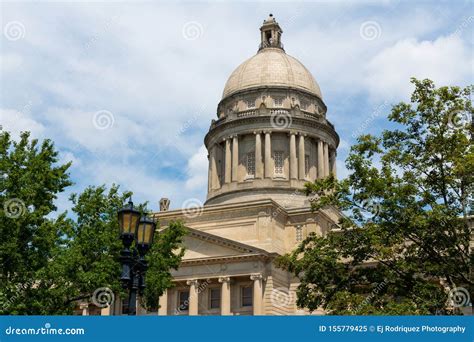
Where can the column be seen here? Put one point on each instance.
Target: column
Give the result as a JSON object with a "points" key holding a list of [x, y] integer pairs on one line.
{"points": [[209, 172], [301, 155], [163, 309], [293, 165], [258, 155], [214, 175], [193, 297], [85, 309], [106, 311], [326, 160], [228, 161], [268, 155], [333, 163], [235, 158], [320, 160], [257, 294], [225, 296]]}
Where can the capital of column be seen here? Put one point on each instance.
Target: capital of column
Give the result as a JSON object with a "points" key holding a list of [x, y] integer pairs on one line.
{"points": [[224, 279], [292, 133], [267, 132], [257, 132], [256, 276], [192, 282]]}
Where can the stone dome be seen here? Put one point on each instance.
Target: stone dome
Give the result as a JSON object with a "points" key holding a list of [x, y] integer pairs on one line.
{"points": [[271, 67]]}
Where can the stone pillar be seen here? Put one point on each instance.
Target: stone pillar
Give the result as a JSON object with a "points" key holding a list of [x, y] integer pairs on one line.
{"points": [[85, 309], [258, 155], [257, 294], [293, 165], [225, 296], [163, 310], [320, 160], [235, 158], [228, 161], [214, 174], [107, 311], [333, 163], [301, 155], [193, 297], [268, 155], [209, 172], [326, 160]]}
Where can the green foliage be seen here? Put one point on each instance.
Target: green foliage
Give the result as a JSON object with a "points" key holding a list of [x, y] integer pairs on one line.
{"points": [[165, 254], [48, 264], [404, 237]]}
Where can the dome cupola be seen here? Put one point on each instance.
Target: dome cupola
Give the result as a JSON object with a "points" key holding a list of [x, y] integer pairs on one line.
{"points": [[271, 134]]}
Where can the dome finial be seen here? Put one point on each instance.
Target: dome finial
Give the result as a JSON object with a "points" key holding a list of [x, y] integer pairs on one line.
{"points": [[270, 34]]}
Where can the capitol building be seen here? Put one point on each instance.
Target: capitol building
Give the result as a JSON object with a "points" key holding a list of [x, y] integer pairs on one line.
{"points": [[269, 138]]}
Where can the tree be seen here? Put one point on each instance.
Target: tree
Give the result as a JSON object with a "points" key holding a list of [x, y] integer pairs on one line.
{"points": [[48, 264], [30, 181], [403, 245]]}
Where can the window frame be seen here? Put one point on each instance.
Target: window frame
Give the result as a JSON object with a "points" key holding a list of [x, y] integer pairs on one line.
{"points": [[219, 298], [242, 287], [178, 302]]}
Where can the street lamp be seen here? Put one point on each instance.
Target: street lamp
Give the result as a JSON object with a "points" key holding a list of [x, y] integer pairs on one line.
{"points": [[134, 266]]}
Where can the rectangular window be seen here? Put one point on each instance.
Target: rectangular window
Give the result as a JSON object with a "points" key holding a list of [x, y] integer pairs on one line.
{"points": [[278, 158], [278, 101], [251, 163], [299, 234], [306, 165], [246, 295], [250, 103], [214, 298], [183, 300]]}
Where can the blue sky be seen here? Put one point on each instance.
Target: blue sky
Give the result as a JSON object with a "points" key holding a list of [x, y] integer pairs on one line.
{"points": [[127, 90]]}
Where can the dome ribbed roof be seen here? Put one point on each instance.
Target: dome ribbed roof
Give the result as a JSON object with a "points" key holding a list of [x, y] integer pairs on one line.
{"points": [[271, 67]]}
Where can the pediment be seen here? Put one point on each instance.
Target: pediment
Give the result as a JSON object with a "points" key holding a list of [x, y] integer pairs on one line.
{"points": [[204, 245]]}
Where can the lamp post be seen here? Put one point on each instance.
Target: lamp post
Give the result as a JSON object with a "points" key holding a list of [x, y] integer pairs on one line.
{"points": [[140, 230]]}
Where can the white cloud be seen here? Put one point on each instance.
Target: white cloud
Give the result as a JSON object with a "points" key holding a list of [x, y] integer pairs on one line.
{"points": [[16, 121], [446, 60], [197, 170]]}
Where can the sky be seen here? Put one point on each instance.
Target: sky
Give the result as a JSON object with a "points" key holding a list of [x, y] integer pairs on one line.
{"points": [[127, 90]]}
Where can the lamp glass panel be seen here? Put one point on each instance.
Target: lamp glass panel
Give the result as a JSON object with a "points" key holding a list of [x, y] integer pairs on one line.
{"points": [[134, 222], [126, 218], [150, 233], [141, 233]]}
